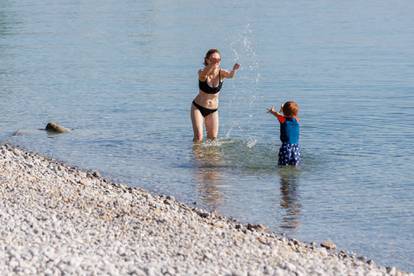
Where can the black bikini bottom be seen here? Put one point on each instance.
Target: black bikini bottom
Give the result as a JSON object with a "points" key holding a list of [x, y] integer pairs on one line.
{"points": [[204, 111]]}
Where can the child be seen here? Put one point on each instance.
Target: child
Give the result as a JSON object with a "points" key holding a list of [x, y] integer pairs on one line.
{"points": [[289, 152]]}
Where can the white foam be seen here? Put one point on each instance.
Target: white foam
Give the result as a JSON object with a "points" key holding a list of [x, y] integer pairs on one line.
{"points": [[251, 142]]}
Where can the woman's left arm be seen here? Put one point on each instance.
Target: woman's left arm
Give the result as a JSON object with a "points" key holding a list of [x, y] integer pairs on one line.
{"points": [[229, 75]]}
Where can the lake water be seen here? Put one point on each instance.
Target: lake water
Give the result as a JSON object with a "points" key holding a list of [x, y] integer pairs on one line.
{"points": [[123, 75]]}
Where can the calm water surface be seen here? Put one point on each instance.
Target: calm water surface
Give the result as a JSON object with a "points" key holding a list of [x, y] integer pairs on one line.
{"points": [[123, 75]]}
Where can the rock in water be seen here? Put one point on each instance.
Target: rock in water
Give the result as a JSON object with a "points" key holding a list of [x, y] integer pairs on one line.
{"points": [[54, 127], [18, 133]]}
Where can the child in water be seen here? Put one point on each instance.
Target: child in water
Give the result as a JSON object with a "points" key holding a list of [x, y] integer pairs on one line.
{"points": [[289, 152]]}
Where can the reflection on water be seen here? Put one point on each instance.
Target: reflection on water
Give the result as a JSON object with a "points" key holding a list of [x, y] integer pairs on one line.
{"points": [[208, 159], [289, 198], [211, 162]]}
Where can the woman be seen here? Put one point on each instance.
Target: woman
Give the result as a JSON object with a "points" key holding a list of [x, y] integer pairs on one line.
{"points": [[204, 108]]}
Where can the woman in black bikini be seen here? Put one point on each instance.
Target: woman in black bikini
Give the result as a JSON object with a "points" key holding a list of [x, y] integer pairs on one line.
{"points": [[205, 106]]}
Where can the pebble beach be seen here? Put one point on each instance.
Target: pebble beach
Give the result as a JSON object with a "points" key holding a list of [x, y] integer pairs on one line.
{"points": [[58, 219]]}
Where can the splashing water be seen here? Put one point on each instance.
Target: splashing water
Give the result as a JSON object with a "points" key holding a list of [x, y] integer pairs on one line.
{"points": [[251, 142], [244, 53], [236, 153]]}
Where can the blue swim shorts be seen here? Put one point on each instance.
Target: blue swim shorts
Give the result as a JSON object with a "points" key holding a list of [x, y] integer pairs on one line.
{"points": [[289, 154]]}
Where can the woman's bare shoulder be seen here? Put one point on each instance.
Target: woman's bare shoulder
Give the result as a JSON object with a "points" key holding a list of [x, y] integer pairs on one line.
{"points": [[200, 74]]}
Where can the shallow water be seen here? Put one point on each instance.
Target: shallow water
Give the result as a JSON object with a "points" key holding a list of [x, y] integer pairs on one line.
{"points": [[123, 75]]}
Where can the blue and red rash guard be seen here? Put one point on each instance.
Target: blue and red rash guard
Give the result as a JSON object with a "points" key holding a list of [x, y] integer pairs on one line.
{"points": [[289, 129]]}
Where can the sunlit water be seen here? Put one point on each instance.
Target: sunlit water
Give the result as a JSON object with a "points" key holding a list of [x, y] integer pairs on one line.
{"points": [[123, 75]]}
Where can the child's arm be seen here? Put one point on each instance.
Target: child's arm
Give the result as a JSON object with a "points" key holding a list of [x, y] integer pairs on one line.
{"points": [[278, 115]]}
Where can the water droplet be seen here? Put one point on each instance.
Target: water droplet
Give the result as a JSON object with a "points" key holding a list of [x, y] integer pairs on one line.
{"points": [[251, 142]]}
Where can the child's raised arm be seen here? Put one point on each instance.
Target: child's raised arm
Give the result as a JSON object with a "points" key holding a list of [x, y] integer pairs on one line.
{"points": [[278, 115]]}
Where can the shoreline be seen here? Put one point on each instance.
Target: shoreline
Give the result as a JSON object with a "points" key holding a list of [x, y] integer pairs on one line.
{"points": [[56, 218]]}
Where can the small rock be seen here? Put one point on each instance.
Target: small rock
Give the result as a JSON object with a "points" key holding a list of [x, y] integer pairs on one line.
{"points": [[361, 258], [93, 174], [96, 174], [256, 227], [55, 127], [263, 240], [83, 182], [391, 270], [328, 245], [203, 214], [342, 254]]}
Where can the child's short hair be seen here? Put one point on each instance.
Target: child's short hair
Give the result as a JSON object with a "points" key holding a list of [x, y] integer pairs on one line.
{"points": [[290, 109]]}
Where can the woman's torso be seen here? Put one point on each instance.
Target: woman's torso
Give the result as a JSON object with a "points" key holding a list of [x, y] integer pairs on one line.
{"points": [[212, 85]]}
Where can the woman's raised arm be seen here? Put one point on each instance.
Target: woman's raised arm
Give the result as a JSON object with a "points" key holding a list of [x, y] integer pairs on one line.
{"points": [[229, 75]]}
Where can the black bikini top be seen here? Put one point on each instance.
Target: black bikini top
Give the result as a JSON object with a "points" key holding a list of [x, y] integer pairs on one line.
{"points": [[203, 85]]}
